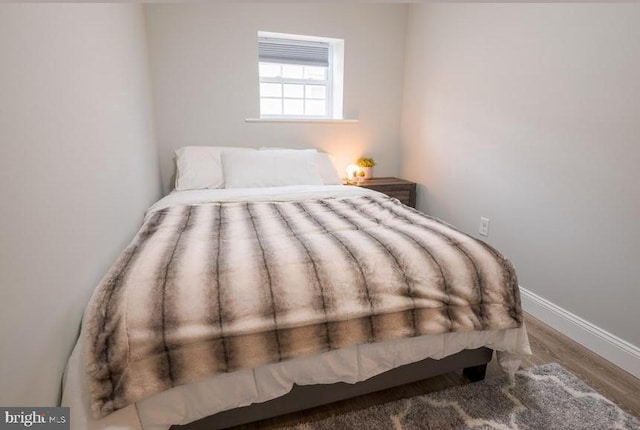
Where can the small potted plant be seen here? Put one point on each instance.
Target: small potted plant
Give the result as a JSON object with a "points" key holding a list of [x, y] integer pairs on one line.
{"points": [[366, 166]]}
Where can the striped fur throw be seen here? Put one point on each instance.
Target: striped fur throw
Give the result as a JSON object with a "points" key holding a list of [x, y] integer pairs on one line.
{"points": [[217, 287]]}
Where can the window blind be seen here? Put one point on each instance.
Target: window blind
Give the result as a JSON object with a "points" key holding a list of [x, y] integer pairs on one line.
{"points": [[288, 51]]}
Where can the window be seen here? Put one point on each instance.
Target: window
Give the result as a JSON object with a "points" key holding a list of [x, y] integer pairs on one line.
{"points": [[300, 76]]}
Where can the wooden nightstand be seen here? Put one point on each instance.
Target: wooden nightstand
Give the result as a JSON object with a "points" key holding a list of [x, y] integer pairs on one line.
{"points": [[405, 191]]}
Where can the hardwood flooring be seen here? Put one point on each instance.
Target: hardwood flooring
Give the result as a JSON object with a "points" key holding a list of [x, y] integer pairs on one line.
{"points": [[547, 346]]}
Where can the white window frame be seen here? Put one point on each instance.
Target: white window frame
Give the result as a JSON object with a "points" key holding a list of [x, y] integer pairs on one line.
{"points": [[333, 83], [280, 80]]}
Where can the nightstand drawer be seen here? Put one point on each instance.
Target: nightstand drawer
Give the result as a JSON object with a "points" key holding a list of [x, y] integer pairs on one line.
{"points": [[405, 191], [404, 196]]}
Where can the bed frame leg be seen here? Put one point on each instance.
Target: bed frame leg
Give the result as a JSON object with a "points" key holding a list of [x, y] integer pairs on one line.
{"points": [[475, 373]]}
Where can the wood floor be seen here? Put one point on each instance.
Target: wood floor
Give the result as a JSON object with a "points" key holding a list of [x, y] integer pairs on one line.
{"points": [[547, 345]]}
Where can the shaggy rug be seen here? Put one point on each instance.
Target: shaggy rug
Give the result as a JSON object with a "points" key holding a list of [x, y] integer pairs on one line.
{"points": [[540, 398]]}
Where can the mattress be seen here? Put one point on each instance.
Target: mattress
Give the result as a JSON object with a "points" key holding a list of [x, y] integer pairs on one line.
{"points": [[192, 401]]}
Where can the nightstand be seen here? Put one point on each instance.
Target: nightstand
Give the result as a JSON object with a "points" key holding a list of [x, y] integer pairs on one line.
{"points": [[405, 191]]}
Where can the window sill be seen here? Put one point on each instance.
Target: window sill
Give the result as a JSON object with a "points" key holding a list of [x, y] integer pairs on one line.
{"points": [[311, 120]]}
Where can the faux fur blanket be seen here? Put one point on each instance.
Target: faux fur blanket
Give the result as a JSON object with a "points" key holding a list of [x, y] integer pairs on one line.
{"points": [[218, 287]]}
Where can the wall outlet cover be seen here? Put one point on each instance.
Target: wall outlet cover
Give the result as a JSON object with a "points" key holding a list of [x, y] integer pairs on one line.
{"points": [[484, 227]]}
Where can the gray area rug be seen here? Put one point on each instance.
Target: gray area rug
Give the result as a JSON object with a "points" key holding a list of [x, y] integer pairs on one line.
{"points": [[541, 398]]}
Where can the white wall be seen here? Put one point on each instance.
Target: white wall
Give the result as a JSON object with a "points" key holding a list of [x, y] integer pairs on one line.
{"points": [[205, 75], [528, 114], [78, 166]]}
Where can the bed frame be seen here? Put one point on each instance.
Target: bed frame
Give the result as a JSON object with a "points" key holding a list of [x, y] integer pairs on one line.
{"points": [[472, 361]]}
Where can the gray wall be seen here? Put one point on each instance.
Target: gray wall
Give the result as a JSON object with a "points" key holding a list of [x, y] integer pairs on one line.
{"points": [[78, 167], [528, 114], [205, 75]]}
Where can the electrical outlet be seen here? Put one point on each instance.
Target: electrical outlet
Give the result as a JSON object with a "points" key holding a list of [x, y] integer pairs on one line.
{"points": [[484, 227]]}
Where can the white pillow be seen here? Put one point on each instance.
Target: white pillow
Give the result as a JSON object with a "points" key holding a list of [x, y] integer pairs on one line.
{"points": [[327, 169], [270, 168], [199, 167], [325, 164]]}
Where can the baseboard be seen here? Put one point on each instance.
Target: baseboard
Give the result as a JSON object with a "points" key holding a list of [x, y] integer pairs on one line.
{"points": [[610, 347]]}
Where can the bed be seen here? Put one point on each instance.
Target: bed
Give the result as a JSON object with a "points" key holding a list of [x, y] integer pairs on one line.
{"points": [[314, 296]]}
